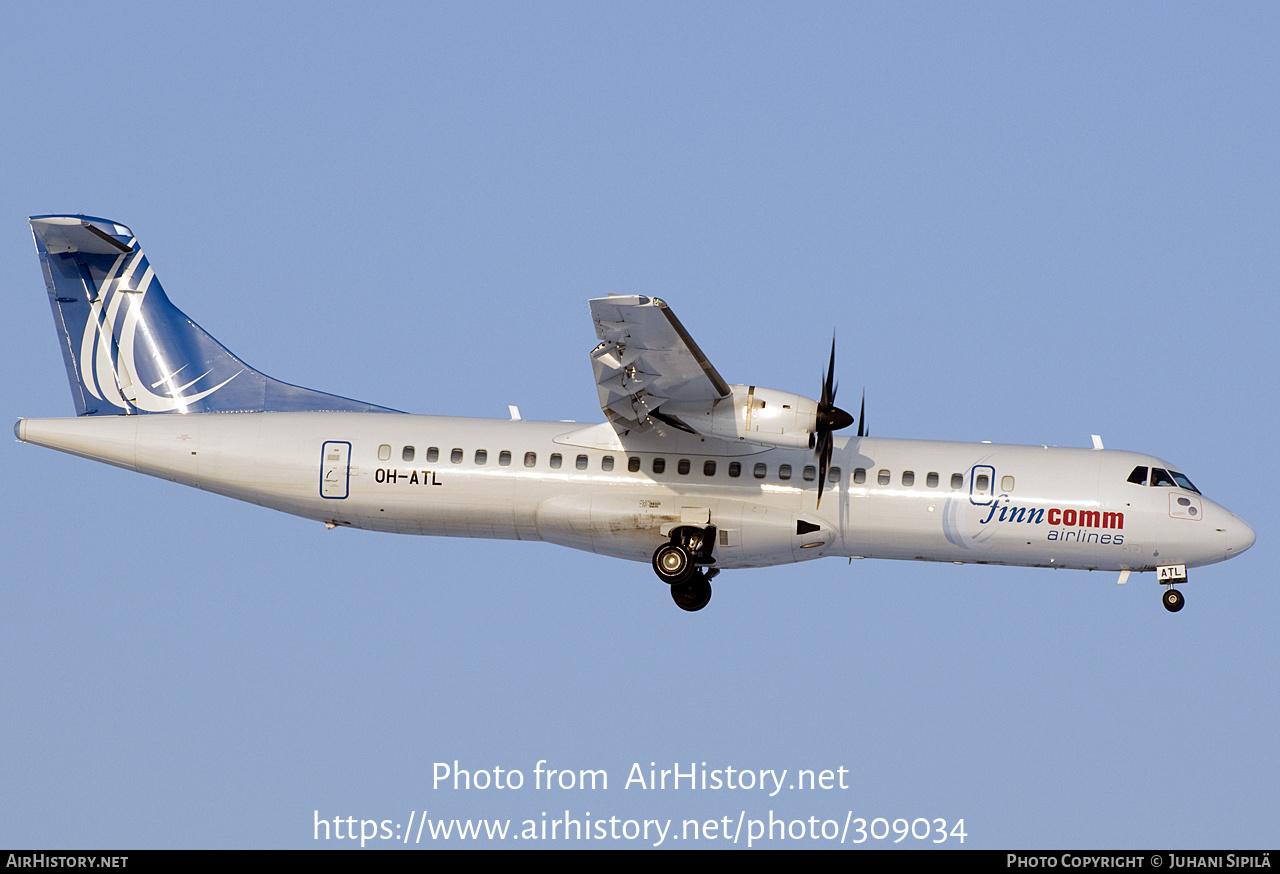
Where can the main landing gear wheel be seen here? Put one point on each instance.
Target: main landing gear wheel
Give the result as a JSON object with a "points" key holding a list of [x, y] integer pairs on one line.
{"points": [[673, 564], [692, 595], [1173, 600], [678, 563]]}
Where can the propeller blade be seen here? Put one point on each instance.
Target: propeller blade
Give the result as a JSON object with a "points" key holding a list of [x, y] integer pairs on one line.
{"points": [[824, 463], [828, 384], [862, 416], [829, 418]]}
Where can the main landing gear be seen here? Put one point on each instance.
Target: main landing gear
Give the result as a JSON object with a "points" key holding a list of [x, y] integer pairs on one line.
{"points": [[680, 561], [1173, 600]]}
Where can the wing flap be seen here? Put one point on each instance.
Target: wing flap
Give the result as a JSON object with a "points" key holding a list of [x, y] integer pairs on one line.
{"points": [[645, 359]]}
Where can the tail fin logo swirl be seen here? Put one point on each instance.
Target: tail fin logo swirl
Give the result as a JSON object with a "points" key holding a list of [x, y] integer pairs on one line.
{"points": [[127, 349], [109, 346]]}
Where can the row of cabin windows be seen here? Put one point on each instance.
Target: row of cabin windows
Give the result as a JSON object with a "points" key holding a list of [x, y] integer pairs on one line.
{"points": [[760, 470], [658, 465], [982, 482]]}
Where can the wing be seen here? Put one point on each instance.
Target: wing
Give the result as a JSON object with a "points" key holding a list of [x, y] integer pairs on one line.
{"points": [[647, 359]]}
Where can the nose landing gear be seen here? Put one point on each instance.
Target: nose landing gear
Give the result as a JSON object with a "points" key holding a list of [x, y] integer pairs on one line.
{"points": [[1169, 574], [678, 563]]}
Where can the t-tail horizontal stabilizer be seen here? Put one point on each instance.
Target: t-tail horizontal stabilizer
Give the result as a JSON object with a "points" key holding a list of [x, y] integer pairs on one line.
{"points": [[128, 349]]}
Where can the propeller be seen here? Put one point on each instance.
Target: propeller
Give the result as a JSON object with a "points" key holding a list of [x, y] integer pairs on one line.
{"points": [[830, 418]]}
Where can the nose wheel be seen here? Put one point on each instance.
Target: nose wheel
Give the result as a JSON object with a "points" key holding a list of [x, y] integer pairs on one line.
{"points": [[1173, 600]]}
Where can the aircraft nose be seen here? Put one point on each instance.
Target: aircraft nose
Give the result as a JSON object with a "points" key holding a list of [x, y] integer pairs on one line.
{"points": [[1239, 536]]}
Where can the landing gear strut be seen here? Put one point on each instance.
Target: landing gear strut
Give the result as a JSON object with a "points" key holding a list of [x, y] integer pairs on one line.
{"points": [[677, 564], [1173, 600]]}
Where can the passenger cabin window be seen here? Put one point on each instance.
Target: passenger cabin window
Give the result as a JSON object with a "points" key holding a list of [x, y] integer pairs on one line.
{"points": [[580, 462], [659, 465], [931, 479], [384, 452], [606, 463], [530, 459], [406, 454], [833, 476], [883, 477], [982, 483], [504, 458], [957, 480], [556, 460], [433, 454], [735, 468], [784, 471], [482, 456], [859, 475], [908, 477], [633, 464], [708, 468], [456, 456], [1006, 484], [760, 470], [810, 473], [682, 467], [1139, 476]]}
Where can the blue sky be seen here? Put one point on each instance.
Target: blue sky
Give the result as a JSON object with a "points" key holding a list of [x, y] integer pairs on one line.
{"points": [[1026, 223]]}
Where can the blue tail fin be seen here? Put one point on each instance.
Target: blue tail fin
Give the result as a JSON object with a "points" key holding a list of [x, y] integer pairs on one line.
{"points": [[129, 350]]}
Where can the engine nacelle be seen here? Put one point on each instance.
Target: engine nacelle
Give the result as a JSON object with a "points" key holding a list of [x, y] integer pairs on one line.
{"points": [[759, 415]]}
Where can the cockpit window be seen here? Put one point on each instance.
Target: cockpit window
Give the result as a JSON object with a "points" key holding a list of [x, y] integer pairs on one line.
{"points": [[1139, 476], [1171, 479]]}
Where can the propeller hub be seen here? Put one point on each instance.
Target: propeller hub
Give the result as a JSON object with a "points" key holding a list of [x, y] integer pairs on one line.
{"points": [[834, 418]]}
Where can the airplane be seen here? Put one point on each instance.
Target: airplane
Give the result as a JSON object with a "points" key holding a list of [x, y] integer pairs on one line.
{"points": [[687, 472]]}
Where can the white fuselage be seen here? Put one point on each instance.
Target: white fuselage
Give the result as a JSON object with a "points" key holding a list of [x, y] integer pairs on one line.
{"points": [[575, 485]]}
